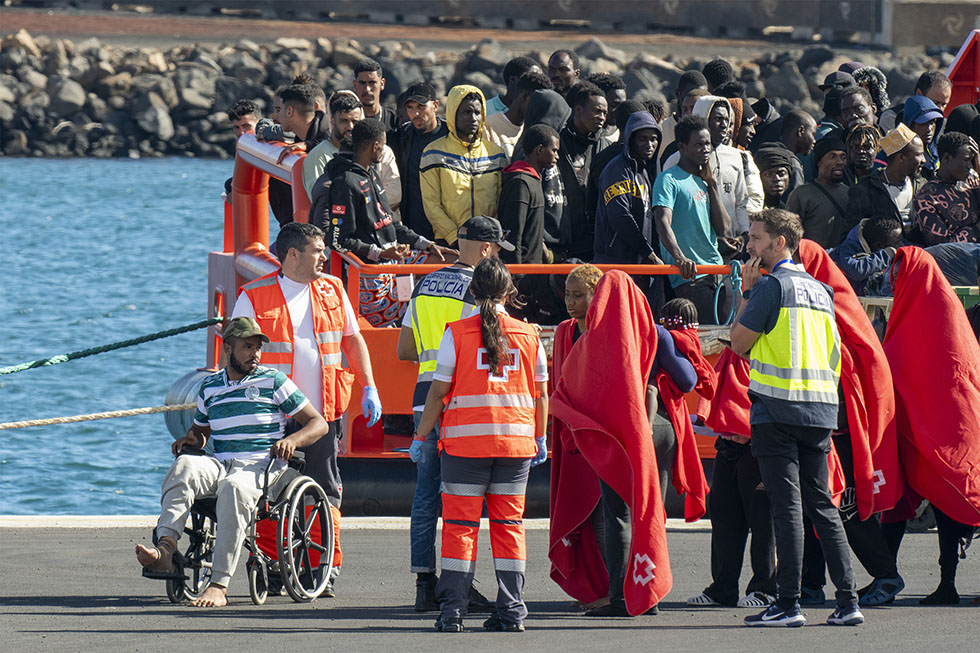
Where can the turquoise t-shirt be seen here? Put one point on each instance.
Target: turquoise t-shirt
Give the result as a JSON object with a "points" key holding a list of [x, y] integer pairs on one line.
{"points": [[687, 196]]}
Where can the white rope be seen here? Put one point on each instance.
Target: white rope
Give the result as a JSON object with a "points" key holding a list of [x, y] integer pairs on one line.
{"points": [[93, 416]]}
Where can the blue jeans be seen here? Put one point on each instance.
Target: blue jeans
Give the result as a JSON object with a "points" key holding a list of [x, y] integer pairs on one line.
{"points": [[426, 505]]}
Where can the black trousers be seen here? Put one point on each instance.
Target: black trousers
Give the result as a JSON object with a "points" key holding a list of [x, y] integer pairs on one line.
{"points": [[616, 514], [701, 291], [738, 504], [793, 463], [865, 537]]}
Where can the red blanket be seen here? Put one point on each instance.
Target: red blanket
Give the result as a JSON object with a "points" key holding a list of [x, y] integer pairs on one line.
{"points": [[689, 477], [601, 397], [576, 562], [866, 381], [935, 361]]}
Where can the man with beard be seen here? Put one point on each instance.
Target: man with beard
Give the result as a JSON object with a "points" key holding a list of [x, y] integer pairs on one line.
{"points": [[408, 142], [690, 216], [787, 330], [888, 191], [241, 410], [563, 70], [856, 107], [312, 328], [774, 163], [345, 110], [821, 204]]}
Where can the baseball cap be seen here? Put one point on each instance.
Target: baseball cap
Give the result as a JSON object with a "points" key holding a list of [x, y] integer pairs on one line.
{"points": [[484, 229], [927, 115], [243, 327], [420, 92], [837, 78]]}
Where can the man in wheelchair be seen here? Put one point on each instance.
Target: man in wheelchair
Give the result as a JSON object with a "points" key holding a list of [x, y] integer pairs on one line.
{"points": [[242, 410]]}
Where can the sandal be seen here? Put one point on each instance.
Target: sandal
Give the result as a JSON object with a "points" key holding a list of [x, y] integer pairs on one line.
{"points": [[702, 600], [882, 591]]}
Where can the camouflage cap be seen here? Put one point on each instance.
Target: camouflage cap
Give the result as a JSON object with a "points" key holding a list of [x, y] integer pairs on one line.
{"points": [[243, 327]]}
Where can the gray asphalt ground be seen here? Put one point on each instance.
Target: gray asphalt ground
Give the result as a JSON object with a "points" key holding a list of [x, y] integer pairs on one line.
{"points": [[71, 589]]}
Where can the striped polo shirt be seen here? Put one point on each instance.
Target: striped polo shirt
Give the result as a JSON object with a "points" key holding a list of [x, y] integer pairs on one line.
{"points": [[247, 416]]}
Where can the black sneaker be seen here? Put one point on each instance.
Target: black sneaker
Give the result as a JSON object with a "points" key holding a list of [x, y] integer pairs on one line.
{"points": [[775, 616], [846, 617], [449, 625], [498, 625]]}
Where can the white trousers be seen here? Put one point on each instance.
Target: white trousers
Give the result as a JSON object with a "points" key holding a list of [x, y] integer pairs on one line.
{"points": [[236, 484]]}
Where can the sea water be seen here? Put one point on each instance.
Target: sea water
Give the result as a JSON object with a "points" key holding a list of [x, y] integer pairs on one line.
{"points": [[98, 251]]}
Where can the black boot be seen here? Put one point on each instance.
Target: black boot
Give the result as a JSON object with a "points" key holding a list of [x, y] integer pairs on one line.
{"points": [[425, 593]]}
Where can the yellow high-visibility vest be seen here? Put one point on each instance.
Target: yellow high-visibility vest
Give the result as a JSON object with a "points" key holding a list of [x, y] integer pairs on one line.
{"points": [[799, 360], [440, 298]]}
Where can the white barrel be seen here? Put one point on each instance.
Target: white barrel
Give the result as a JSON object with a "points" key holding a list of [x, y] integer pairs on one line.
{"points": [[183, 391]]}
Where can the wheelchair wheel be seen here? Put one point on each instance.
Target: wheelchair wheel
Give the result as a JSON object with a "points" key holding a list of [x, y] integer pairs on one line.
{"points": [[197, 560], [305, 540], [258, 584]]}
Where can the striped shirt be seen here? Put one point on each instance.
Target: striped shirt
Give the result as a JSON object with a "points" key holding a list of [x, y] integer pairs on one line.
{"points": [[247, 416]]}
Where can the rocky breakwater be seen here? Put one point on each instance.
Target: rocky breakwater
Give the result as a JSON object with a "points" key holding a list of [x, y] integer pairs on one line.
{"points": [[62, 98]]}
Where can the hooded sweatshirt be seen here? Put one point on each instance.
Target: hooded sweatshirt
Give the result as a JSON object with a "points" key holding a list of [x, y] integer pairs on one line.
{"points": [[915, 107], [727, 166], [460, 180], [624, 231], [545, 107], [522, 213]]}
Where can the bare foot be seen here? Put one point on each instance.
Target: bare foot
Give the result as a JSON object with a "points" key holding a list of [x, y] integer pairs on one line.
{"points": [[598, 603], [147, 555], [214, 596]]}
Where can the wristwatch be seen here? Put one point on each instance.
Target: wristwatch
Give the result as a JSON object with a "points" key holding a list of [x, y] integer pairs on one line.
{"points": [[745, 293]]}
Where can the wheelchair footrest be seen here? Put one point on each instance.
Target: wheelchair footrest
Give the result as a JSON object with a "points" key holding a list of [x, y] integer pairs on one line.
{"points": [[177, 573]]}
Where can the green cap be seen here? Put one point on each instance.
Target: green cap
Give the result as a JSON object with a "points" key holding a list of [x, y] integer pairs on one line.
{"points": [[243, 327]]}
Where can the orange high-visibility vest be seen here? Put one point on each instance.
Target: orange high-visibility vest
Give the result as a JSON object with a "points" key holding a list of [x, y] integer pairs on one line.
{"points": [[272, 314], [491, 416]]}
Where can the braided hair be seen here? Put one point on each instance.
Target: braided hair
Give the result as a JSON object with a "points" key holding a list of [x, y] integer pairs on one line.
{"points": [[492, 285]]}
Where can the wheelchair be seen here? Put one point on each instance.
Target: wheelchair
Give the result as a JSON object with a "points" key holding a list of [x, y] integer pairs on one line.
{"points": [[289, 538]]}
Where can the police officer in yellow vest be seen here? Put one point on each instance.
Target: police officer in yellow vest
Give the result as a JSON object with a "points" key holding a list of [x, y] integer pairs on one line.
{"points": [[439, 298], [787, 328]]}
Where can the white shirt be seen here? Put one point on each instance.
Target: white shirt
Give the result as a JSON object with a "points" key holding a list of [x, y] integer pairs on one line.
{"points": [[307, 372], [498, 128]]}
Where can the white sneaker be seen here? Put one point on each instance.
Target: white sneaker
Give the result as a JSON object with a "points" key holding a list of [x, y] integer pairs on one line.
{"points": [[755, 600], [702, 600]]}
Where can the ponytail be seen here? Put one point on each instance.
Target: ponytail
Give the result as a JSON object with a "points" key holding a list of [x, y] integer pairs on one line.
{"points": [[492, 285]]}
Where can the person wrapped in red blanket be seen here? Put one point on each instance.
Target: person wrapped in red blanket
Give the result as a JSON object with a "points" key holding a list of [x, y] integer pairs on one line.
{"points": [[602, 399], [935, 362], [864, 441], [576, 559]]}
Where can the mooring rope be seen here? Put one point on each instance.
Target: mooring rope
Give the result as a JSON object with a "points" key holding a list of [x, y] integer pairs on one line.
{"points": [[94, 416], [64, 358]]}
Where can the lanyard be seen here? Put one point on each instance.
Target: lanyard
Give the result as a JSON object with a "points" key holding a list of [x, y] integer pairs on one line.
{"points": [[785, 260]]}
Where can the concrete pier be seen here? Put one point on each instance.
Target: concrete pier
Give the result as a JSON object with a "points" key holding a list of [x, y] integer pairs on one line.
{"points": [[79, 589]]}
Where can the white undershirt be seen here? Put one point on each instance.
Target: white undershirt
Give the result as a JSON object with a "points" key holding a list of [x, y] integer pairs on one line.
{"points": [[307, 373]]}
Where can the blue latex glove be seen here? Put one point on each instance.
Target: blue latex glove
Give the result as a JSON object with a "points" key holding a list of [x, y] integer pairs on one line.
{"points": [[415, 451], [542, 454], [371, 405]]}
